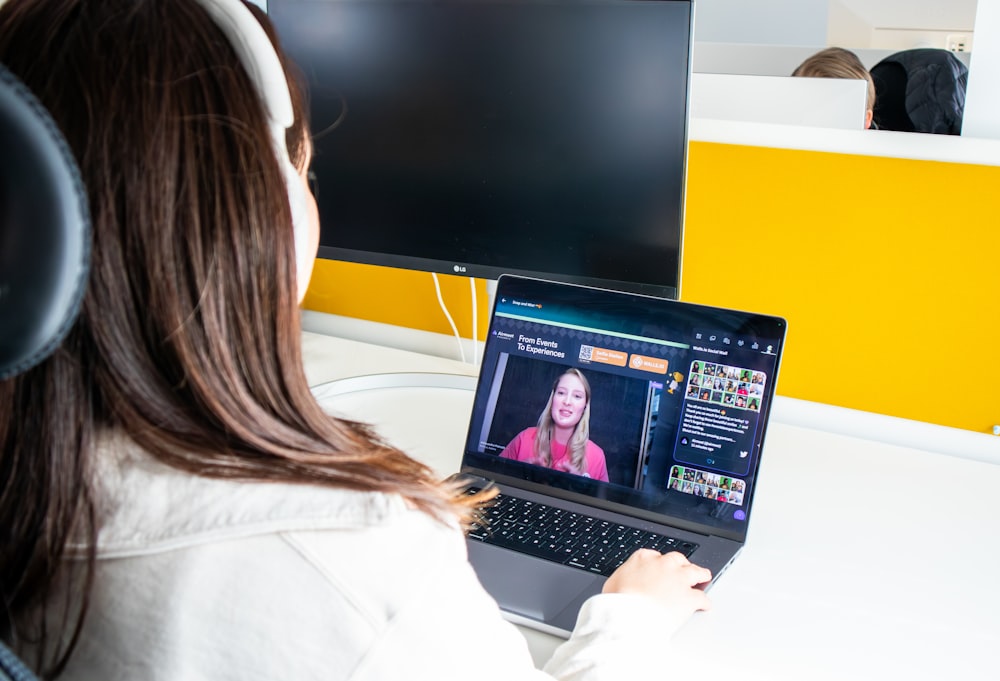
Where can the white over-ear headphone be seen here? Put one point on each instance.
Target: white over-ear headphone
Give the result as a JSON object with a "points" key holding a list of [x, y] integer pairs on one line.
{"points": [[260, 60], [258, 57]]}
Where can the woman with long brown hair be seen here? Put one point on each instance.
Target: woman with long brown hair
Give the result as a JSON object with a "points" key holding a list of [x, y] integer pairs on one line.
{"points": [[175, 503]]}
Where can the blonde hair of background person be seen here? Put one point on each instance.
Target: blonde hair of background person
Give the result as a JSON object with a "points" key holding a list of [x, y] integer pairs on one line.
{"points": [[836, 62], [184, 373]]}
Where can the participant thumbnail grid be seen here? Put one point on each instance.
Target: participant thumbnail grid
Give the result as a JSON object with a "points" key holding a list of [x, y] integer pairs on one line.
{"points": [[706, 484], [726, 385]]}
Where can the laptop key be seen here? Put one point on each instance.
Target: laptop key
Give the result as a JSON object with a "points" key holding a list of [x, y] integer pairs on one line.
{"points": [[687, 548]]}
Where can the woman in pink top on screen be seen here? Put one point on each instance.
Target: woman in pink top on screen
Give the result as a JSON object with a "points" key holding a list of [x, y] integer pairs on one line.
{"points": [[562, 438]]}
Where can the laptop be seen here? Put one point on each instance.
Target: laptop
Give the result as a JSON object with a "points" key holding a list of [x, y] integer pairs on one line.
{"points": [[609, 421]]}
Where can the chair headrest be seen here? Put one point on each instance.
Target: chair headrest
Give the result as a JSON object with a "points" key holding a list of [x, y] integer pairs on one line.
{"points": [[44, 231]]}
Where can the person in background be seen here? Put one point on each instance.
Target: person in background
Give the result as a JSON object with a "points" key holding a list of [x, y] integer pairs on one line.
{"points": [[836, 62], [175, 502]]}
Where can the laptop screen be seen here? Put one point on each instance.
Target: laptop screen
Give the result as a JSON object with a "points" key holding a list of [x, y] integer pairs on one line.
{"points": [[643, 405]]}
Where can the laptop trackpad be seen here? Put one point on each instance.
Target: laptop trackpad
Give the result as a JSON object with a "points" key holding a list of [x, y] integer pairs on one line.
{"points": [[528, 586]]}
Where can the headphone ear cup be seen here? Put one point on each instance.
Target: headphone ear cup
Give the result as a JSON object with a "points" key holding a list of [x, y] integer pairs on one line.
{"points": [[258, 56]]}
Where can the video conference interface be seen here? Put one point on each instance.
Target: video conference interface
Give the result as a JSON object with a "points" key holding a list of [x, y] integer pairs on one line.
{"points": [[671, 424]]}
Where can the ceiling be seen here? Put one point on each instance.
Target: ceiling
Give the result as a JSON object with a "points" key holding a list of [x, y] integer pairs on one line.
{"points": [[941, 15]]}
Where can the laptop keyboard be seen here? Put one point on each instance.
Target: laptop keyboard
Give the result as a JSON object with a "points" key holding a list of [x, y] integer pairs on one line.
{"points": [[562, 536]]}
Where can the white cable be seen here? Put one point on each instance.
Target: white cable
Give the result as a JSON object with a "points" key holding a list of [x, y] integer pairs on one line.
{"points": [[475, 323], [444, 308]]}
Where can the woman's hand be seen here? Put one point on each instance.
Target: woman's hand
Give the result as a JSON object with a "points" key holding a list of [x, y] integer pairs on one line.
{"points": [[671, 579]]}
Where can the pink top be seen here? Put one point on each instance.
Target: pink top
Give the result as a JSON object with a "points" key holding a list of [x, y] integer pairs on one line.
{"points": [[522, 448]]}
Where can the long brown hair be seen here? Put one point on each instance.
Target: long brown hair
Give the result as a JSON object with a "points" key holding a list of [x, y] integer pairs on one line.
{"points": [[189, 337]]}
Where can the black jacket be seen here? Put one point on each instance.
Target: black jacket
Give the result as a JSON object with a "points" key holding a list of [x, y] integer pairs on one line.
{"points": [[921, 90]]}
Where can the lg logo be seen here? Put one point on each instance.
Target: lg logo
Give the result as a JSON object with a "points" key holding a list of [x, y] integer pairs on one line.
{"points": [[459, 269]]}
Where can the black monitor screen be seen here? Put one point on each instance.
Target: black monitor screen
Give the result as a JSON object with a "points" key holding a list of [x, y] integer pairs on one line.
{"points": [[541, 137]]}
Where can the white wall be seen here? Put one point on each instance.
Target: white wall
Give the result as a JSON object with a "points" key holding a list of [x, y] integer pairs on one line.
{"points": [[775, 22], [814, 102], [772, 60], [845, 28], [898, 39], [982, 99]]}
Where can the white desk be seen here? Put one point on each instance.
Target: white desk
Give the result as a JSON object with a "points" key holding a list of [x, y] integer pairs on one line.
{"points": [[911, 592]]}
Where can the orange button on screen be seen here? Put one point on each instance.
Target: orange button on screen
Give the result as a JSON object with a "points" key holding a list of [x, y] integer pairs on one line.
{"points": [[653, 364], [609, 357]]}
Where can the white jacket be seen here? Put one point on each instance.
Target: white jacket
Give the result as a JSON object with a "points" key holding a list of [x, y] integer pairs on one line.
{"points": [[211, 579]]}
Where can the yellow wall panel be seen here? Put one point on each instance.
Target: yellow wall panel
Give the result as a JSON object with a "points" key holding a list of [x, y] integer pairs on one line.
{"points": [[884, 267], [393, 296]]}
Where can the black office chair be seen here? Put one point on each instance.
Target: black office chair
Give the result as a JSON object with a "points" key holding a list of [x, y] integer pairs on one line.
{"points": [[920, 90], [44, 247]]}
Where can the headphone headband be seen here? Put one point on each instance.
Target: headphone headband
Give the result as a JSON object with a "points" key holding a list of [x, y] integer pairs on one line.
{"points": [[258, 56]]}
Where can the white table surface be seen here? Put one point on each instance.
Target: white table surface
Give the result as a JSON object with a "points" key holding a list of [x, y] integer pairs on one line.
{"points": [[864, 560]]}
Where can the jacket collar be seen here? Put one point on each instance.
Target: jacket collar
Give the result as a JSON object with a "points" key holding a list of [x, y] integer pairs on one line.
{"points": [[145, 506]]}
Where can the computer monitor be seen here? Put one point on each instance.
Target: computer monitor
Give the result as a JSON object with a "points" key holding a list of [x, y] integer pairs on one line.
{"points": [[538, 137]]}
